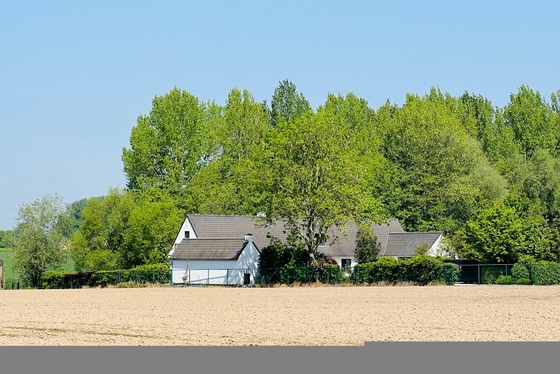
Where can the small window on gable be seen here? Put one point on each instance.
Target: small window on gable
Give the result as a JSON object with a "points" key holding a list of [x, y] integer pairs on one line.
{"points": [[187, 234], [322, 243]]}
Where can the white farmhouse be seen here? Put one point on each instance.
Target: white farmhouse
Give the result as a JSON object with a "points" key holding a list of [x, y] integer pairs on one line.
{"points": [[217, 249]]}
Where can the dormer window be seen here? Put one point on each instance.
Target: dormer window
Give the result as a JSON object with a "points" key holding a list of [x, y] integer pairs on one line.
{"points": [[187, 234]]}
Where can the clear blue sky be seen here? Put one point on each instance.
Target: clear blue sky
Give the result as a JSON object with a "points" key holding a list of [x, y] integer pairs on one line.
{"points": [[75, 75]]}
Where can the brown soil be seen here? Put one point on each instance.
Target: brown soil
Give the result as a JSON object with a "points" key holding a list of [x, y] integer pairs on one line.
{"points": [[279, 316]]}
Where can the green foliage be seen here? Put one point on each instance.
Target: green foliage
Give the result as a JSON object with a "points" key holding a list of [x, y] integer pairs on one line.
{"points": [[7, 254], [165, 146], [367, 247], [228, 181], [505, 279], [450, 273], [519, 271], [287, 104], [532, 121], [53, 279], [279, 255], [153, 273], [38, 239], [525, 281], [546, 273], [493, 235], [437, 173], [125, 229], [4, 238], [421, 270], [315, 176], [437, 162]]}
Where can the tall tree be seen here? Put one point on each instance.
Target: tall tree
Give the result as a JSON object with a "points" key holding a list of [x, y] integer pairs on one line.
{"points": [[437, 174], [367, 247], [125, 229], [225, 184], [494, 235], [287, 104], [314, 176], [165, 146], [38, 239], [532, 121]]}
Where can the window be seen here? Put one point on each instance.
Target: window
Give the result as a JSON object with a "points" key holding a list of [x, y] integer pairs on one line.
{"points": [[187, 234], [346, 263]]}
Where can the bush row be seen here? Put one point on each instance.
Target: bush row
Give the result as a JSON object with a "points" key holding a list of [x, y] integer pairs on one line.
{"points": [[527, 271], [536, 272], [327, 274], [157, 273], [420, 270]]}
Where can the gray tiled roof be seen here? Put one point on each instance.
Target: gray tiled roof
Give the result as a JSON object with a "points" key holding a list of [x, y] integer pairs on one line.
{"points": [[209, 249], [405, 244], [216, 226], [219, 226], [346, 244]]}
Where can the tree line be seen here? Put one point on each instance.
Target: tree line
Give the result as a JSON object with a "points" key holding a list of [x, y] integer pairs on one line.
{"points": [[487, 176]]}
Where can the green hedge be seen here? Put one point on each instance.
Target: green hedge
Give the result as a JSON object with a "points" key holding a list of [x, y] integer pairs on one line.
{"points": [[328, 274], [157, 273], [537, 272], [420, 270]]}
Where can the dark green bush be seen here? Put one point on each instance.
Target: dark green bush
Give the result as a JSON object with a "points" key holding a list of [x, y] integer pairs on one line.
{"points": [[449, 273], [157, 273], [519, 271], [53, 279], [505, 279], [421, 270], [489, 274], [547, 273]]}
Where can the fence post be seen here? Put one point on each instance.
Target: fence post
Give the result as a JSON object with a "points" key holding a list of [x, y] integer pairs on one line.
{"points": [[506, 276], [478, 274], [227, 277], [534, 273]]}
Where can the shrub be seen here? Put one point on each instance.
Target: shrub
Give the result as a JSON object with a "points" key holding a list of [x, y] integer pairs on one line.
{"points": [[53, 279], [505, 279], [449, 273], [490, 273], [547, 273], [519, 271], [386, 269], [421, 270], [524, 281]]}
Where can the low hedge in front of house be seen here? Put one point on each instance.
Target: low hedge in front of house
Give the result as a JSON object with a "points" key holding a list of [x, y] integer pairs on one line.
{"points": [[421, 270], [156, 273]]}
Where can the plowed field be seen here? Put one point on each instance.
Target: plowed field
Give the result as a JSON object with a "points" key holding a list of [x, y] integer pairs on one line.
{"points": [[323, 316]]}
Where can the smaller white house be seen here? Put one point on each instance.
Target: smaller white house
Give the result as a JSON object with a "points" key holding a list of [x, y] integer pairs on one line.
{"points": [[215, 261]]}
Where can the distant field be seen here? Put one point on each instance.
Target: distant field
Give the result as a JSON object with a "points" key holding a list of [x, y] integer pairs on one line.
{"points": [[6, 255]]}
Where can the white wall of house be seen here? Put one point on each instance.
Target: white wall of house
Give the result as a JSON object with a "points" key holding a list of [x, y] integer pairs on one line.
{"points": [[186, 227], [339, 260], [218, 272], [437, 249]]}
